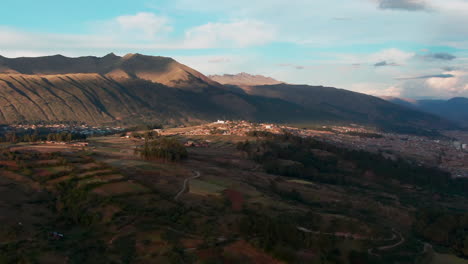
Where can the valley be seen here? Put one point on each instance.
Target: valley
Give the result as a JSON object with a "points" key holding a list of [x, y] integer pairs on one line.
{"points": [[223, 203]]}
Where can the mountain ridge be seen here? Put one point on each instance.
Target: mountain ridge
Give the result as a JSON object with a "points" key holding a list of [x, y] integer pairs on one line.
{"points": [[138, 88]]}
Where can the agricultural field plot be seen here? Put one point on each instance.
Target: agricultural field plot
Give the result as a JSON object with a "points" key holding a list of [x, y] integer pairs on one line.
{"points": [[120, 188], [203, 188], [18, 178], [10, 164], [446, 258], [94, 173], [131, 209], [46, 148], [100, 179]]}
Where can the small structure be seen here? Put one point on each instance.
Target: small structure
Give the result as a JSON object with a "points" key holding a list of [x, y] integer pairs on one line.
{"points": [[57, 235], [80, 144], [189, 144]]}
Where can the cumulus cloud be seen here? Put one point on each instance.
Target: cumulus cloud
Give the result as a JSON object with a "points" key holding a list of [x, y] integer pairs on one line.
{"points": [[237, 34], [143, 24], [409, 5], [140, 32], [445, 87]]}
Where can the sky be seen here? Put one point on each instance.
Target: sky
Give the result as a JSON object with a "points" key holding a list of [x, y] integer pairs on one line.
{"points": [[404, 48]]}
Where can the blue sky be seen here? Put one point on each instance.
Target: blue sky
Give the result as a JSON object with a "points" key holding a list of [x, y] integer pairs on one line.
{"points": [[407, 48]]}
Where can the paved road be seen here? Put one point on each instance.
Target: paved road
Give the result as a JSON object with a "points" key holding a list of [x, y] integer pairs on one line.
{"points": [[186, 182]]}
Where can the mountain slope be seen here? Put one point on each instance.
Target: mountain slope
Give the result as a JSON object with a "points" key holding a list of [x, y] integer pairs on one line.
{"points": [[327, 103], [97, 99], [162, 70], [455, 109], [137, 88]]}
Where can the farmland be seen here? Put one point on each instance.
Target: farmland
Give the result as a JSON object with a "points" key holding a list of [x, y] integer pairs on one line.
{"points": [[107, 198]]}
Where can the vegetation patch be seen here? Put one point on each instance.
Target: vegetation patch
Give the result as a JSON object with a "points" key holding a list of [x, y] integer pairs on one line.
{"points": [[203, 188], [119, 188]]}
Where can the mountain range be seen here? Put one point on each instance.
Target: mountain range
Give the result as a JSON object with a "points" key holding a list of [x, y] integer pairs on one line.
{"points": [[455, 109], [140, 89]]}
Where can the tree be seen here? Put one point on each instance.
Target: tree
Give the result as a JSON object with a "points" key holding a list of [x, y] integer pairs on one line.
{"points": [[168, 149]]}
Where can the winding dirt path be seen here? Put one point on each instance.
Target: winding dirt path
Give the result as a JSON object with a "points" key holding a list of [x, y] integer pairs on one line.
{"points": [[185, 184], [388, 247]]}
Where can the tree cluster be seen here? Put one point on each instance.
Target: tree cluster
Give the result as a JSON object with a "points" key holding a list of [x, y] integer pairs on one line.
{"points": [[164, 148], [444, 228], [292, 156]]}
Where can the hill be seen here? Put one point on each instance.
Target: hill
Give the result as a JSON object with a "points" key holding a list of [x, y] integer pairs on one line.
{"points": [[455, 109], [139, 89]]}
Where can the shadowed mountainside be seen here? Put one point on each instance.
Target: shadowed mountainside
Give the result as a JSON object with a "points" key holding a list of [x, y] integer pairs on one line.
{"points": [[327, 103], [455, 109]]}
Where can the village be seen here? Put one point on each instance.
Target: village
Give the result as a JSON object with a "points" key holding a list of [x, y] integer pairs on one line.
{"points": [[83, 129]]}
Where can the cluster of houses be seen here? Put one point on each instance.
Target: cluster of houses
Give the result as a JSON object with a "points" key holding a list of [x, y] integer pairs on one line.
{"points": [[83, 129]]}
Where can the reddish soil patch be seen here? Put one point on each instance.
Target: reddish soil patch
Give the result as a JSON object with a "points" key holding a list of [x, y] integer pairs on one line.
{"points": [[205, 254], [59, 180], [9, 163], [242, 248], [42, 173], [46, 162], [306, 255], [119, 188], [20, 178], [94, 173], [236, 198], [90, 166], [191, 243]]}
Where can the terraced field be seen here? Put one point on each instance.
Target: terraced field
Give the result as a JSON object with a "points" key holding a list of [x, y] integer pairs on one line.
{"points": [[120, 204]]}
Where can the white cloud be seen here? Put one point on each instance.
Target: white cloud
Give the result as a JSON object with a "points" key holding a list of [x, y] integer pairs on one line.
{"points": [[391, 55], [142, 32], [437, 87], [144, 24], [237, 34], [455, 86], [376, 89]]}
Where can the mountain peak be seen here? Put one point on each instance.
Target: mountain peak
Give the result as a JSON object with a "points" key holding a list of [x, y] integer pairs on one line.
{"points": [[111, 55], [130, 55], [244, 78]]}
